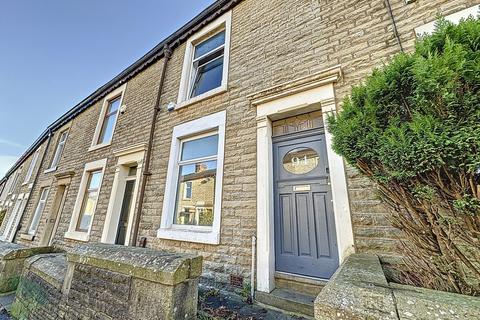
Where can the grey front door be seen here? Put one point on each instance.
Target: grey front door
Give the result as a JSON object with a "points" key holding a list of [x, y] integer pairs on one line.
{"points": [[124, 212], [305, 237]]}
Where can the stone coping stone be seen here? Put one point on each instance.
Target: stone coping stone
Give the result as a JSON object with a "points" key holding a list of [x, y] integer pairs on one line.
{"points": [[144, 263], [358, 290], [420, 303], [50, 267], [10, 251]]}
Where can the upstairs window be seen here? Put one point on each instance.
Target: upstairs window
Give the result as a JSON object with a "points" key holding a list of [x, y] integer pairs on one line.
{"points": [[59, 150], [31, 167], [106, 133], [108, 119], [205, 66], [15, 181]]}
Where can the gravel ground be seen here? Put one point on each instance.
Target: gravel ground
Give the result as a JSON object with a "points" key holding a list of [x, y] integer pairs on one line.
{"points": [[219, 305]]}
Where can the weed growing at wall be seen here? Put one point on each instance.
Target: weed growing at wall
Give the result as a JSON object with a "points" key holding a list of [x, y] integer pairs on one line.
{"points": [[413, 127]]}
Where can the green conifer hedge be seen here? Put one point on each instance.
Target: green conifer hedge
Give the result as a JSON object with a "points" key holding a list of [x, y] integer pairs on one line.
{"points": [[414, 128]]}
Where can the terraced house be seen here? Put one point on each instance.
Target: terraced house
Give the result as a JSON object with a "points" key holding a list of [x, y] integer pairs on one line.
{"points": [[215, 143]]}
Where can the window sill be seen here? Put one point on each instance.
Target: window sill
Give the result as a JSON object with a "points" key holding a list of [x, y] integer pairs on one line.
{"points": [[50, 170], [208, 237], [27, 237], [206, 95], [99, 146], [76, 235]]}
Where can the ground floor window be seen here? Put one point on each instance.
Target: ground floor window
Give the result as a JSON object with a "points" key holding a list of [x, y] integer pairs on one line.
{"points": [[38, 211], [89, 201], [192, 202], [86, 203]]}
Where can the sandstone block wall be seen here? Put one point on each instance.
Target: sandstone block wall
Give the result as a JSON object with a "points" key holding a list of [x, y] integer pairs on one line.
{"points": [[272, 42], [107, 282]]}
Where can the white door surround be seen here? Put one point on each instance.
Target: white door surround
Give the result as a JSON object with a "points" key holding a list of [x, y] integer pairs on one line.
{"points": [[312, 93], [126, 159]]}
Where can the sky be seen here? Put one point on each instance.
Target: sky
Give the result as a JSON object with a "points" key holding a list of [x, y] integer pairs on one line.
{"points": [[54, 53]]}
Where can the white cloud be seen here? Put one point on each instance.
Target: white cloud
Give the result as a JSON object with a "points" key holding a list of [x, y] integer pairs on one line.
{"points": [[11, 143], [6, 162]]}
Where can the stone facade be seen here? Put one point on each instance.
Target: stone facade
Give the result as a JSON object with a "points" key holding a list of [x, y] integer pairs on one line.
{"points": [[272, 42]]}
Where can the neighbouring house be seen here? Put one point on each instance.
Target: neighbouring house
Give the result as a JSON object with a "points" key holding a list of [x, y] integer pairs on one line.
{"points": [[217, 135]]}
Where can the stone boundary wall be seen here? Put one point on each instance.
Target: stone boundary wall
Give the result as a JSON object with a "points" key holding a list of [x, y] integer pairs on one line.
{"points": [[12, 259], [359, 290], [98, 281]]}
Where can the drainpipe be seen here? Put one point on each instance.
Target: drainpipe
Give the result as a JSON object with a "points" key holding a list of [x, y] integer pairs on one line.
{"points": [[252, 271], [37, 175], [394, 25], [146, 171]]}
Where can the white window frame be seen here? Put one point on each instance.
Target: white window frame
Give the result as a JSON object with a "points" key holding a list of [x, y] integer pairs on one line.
{"points": [[222, 23], [16, 176], [199, 234], [14, 218], [454, 18], [119, 92], [58, 153], [38, 212], [72, 233], [31, 167]]}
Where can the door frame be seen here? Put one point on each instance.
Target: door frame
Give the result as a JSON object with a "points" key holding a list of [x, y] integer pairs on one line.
{"points": [[126, 159], [312, 93]]}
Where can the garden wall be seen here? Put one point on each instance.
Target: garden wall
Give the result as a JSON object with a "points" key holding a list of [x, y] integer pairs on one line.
{"points": [[360, 290], [98, 281]]}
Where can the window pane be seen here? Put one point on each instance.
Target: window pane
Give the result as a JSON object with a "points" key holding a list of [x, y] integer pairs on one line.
{"points": [[36, 217], [132, 171], [107, 129], [44, 194], [63, 137], [198, 208], [208, 77], [199, 148], [38, 212], [87, 211], [187, 192], [209, 44], [59, 150], [113, 105], [95, 180]]}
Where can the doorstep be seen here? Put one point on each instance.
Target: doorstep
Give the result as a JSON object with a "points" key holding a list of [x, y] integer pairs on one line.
{"points": [[293, 293], [287, 300]]}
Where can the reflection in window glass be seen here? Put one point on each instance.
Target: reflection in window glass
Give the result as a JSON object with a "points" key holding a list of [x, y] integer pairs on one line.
{"points": [[198, 208], [59, 149], [200, 148], [195, 198], [207, 66], [109, 121], [89, 201]]}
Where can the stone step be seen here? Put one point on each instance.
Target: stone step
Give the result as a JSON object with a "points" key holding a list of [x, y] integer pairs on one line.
{"points": [[301, 284], [288, 301]]}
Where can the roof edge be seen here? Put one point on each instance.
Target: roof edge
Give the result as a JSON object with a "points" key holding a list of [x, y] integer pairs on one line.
{"points": [[216, 9]]}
